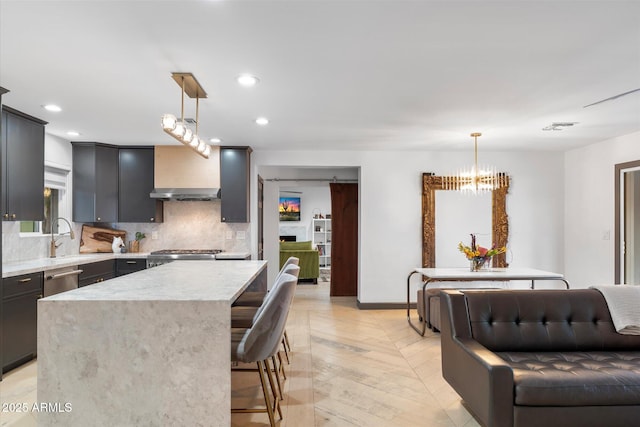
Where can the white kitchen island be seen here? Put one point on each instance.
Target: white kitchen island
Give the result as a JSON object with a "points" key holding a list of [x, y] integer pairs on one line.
{"points": [[150, 348]]}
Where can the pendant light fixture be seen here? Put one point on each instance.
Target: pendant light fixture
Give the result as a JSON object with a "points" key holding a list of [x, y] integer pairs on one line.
{"points": [[178, 128], [476, 179]]}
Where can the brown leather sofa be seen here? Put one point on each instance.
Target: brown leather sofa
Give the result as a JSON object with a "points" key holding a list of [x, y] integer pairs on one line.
{"points": [[547, 358]]}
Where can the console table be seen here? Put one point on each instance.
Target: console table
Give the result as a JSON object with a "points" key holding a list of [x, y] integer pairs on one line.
{"points": [[464, 275]]}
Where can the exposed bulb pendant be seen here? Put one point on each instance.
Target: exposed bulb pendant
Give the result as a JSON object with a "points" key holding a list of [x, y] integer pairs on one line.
{"points": [[178, 128]]}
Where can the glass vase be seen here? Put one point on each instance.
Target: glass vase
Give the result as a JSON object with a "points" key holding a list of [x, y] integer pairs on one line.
{"points": [[477, 264]]}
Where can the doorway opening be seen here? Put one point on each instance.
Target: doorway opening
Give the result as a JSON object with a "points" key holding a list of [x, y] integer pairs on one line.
{"points": [[627, 223], [297, 216]]}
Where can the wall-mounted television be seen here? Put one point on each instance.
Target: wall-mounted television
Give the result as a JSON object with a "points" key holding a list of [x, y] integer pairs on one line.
{"points": [[289, 208]]}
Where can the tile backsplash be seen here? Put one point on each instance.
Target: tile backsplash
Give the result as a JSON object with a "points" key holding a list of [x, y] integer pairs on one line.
{"points": [[187, 225]]}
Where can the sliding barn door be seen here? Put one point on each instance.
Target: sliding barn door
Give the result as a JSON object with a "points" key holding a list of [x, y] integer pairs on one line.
{"points": [[344, 241]]}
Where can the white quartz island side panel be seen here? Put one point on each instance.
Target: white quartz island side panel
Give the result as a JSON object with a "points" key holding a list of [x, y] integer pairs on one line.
{"points": [[149, 348]]}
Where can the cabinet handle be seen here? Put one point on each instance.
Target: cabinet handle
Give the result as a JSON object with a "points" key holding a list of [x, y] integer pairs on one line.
{"points": [[66, 273], [40, 296], [99, 219], [152, 219], [6, 216], [28, 279], [13, 216], [224, 219], [132, 262]]}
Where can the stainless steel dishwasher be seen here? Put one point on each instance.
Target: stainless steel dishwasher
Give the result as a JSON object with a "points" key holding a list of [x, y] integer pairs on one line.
{"points": [[61, 280]]}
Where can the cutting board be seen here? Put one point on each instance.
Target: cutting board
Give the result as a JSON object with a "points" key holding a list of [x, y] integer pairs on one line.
{"points": [[96, 239]]}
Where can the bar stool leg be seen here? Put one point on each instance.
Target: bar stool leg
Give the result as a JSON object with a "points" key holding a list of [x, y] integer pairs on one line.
{"points": [[276, 403]]}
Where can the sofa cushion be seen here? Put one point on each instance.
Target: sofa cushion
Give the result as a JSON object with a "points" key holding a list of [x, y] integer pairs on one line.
{"points": [[544, 320], [575, 378], [295, 246]]}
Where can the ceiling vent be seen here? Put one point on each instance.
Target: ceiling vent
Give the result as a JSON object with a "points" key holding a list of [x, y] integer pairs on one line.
{"points": [[559, 125]]}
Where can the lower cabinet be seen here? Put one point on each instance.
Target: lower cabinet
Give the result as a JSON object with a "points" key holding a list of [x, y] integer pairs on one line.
{"points": [[20, 319], [129, 265], [96, 272]]}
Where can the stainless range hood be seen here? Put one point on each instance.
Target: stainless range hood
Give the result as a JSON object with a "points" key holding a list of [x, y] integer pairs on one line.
{"points": [[185, 194], [180, 174]]}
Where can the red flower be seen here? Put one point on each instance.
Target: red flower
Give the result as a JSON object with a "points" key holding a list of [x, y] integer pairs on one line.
{"points": [[483, 251]]}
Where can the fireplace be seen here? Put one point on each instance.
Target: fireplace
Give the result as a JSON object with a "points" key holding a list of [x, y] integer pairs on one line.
{"points": [[288, 238]]}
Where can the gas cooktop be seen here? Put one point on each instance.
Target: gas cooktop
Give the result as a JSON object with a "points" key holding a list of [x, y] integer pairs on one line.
{"points": [[187, 252], [167, 255]]}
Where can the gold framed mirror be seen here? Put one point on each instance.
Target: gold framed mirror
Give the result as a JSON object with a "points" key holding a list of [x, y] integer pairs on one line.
{"points": [[499, 217]]}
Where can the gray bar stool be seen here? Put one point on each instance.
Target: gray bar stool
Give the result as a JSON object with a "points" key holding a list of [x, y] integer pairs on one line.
{"points": [[253, 298], [262, 340], [244, 309], [243, 317]]}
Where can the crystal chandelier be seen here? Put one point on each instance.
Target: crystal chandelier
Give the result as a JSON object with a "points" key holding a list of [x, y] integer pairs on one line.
{"points": [[178, 128], [476, 179]]}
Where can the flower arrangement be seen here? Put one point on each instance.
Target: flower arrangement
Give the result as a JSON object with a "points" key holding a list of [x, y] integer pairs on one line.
{"points": [[479, 255]]}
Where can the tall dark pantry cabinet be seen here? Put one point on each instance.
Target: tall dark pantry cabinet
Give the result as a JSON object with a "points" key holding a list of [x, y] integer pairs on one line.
{"points": [[22, 183]]}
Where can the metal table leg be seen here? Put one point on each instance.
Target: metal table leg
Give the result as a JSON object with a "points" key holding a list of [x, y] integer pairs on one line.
{"points": [[424, 302]]}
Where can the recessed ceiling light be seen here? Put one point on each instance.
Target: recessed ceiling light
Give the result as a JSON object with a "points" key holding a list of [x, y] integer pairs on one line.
{"points": [[247, 80], [73, 133], [262, 121], [215, 140], [52, 107]]}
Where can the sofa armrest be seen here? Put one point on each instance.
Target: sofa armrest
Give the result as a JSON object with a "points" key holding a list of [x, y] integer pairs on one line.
{"points": [[479, 376]]}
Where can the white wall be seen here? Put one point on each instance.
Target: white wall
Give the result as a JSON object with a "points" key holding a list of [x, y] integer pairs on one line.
{"points": [[589, 208], [390, 209], [313, 200]]}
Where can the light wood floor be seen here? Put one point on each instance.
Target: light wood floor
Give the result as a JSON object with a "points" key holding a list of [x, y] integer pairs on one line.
{"points": [[349, 367]]}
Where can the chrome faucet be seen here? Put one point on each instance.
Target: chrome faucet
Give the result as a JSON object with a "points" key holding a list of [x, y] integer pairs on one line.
{"points": [[53, 246]]}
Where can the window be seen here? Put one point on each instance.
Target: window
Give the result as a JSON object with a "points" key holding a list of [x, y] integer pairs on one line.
{"points": [[56, 203]]}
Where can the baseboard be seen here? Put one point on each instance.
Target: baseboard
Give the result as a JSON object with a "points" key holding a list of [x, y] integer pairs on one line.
{"points": [[384, 305]]}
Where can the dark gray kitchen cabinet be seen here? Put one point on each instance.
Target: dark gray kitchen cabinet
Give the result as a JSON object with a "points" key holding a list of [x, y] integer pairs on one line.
{"points": [[95, 182], [135, 185], [234, 183], [126, 266], [22, 166], [96, 272], [20, 319]]}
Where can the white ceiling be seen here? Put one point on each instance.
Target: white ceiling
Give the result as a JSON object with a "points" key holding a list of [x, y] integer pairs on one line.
{"points": [[400, 75]]}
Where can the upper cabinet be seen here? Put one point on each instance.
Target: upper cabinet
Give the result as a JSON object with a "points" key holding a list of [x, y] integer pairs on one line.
{"points": [[95, 182], [22, 166], [112, 184], [136, 183], [234, 183]]}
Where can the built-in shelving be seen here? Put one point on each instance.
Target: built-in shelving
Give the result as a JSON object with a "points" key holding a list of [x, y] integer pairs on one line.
{"points": [[321, 228]]}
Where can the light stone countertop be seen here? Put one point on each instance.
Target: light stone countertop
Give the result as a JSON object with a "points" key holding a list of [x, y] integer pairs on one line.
{"points": [[18, 268], [11, 269], [175, 281]]}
